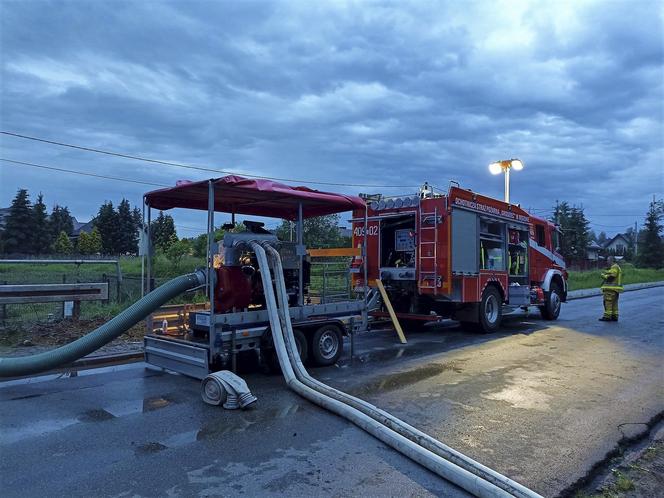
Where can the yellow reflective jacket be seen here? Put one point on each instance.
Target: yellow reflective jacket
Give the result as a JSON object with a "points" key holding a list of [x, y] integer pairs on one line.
{"points": [[612, 278]]}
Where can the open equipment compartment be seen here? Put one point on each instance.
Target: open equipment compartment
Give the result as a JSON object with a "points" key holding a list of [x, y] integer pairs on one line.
{"points": [[398, 247]]}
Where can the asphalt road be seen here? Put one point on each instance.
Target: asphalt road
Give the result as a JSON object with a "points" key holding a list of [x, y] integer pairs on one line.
{"points": [[539, 401]]}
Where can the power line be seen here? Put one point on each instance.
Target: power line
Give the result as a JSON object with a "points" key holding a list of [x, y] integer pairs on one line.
{"points": [[64, 170], [189, 166]]}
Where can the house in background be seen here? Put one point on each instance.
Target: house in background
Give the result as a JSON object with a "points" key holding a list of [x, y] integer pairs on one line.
{"points": [[618, 245], [80, 227], [592, 251]]}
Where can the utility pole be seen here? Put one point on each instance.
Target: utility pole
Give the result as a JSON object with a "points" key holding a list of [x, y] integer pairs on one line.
{"points": [[636, 237]]}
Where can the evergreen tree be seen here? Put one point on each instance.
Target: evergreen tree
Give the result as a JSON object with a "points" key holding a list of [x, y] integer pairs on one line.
{"points": [[162, 231], [107, 223], [62, 244], [42, 236], [94, 241], [17, 236], [89, 243], [61, 221], [128, 229], [574, 226], [651, 249]]}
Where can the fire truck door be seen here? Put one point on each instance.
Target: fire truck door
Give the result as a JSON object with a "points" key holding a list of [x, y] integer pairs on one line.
{"points": [[465, 240]]}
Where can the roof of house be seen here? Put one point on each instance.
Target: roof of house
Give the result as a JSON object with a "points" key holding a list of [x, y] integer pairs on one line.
{"points": [[82, 227], [594, 245], [615, 238]]}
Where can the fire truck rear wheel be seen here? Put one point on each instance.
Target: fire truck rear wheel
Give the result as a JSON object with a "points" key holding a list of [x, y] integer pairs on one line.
{"points": [[326, 345], [491, 311], [551, 308]]}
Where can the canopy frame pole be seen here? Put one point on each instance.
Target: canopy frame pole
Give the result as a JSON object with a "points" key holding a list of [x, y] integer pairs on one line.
{"points": [[365, 252], [210, 260], [148, 284], [143, 255], [300, 251]]}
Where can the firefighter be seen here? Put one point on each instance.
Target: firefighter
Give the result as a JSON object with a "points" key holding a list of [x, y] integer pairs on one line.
{"points": [[611, 289]]}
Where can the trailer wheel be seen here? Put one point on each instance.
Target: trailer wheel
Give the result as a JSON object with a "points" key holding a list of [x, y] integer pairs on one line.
{"points": [[272, 360], [326, 345], [551, 308], [490, 311], [301, 343]]}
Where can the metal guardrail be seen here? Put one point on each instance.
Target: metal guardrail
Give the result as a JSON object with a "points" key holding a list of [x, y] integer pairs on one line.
{"points": [[50, 293]]}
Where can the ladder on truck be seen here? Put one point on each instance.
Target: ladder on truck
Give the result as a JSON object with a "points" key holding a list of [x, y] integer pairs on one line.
{"points": [[427, 219]]}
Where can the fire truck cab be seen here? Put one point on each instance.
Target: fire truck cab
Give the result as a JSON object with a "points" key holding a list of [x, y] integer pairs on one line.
{"points": [[459, 255]]}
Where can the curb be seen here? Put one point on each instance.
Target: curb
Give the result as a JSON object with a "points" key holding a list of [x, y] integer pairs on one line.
{"points": [[583, 293]]}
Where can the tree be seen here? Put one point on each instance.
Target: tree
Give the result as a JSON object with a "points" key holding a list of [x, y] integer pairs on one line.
{"points": [[108, 224], [127, 241], [17, 236], [602, 238], [319, 232], [42, 237], [62, 244], [61, 221], [176, 251], [574, 226], [651, 249], [162, 231], [90, 243], [199, 245]]}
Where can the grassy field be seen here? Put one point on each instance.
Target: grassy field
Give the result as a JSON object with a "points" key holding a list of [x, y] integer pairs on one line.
{"points": [[130, 288], [631, 275]]}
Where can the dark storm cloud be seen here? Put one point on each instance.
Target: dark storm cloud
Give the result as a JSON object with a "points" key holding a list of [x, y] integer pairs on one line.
{"points": [[358, 92]]}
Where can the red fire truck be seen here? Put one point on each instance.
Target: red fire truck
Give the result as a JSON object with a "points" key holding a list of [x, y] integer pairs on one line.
{"points": [[462, 255]]}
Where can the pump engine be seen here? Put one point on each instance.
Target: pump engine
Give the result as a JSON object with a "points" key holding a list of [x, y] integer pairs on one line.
{"points": [[239, 286]]}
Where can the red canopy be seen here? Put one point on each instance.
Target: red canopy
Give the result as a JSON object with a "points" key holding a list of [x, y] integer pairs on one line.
{"points": [[239, 195]]}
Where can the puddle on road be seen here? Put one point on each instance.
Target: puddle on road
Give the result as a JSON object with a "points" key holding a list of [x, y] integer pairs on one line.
{"points": [[384, 354], [525, 389], [13, 434], [145, 405], [95, 416], [149, 448], [235, 421], [402, 379]]}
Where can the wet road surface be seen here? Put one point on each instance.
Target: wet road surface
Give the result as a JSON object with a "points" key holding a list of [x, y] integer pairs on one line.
{"points": [[539, 401]]}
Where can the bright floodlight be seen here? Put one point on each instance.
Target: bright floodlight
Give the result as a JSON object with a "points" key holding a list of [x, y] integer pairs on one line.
{"points": [[495, 168], [516, 164]]}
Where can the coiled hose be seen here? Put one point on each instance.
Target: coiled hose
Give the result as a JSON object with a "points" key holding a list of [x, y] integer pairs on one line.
{"points": [[26, 365]]}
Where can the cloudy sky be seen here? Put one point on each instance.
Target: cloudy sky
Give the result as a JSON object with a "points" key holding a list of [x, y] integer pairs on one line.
{"points": [[379, 93]]}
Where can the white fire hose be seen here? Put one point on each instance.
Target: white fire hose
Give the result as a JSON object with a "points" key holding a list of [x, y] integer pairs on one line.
{"points": [[430, 453]]}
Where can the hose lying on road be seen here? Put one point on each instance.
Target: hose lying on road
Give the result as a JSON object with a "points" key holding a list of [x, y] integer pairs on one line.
{"points": [[381, 416], [320, 394], [25, 365]]}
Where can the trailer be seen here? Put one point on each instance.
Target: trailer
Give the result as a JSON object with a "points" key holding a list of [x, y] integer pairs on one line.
{"points": [[459, 255], [237, 321]]}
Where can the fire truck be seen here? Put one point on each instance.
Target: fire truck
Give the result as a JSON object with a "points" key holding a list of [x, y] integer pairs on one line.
{"points": [[459, 255]]}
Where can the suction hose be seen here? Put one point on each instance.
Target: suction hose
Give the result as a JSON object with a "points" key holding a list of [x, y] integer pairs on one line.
{"points": [[26, 365], [397, 425], [429, 460]]}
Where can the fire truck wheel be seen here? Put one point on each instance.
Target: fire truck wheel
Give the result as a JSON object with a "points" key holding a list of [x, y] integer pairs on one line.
{"points": [[551, 308], [491, 311], [326, 345]]}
